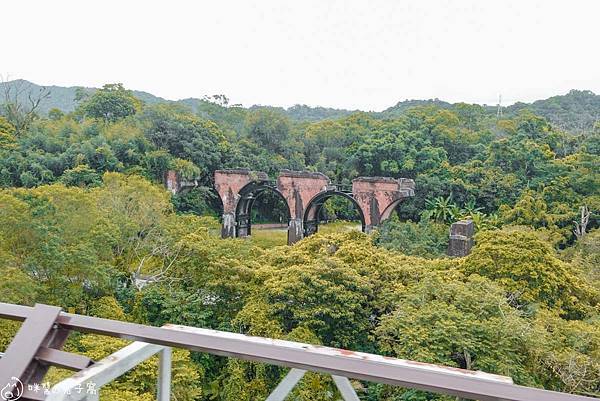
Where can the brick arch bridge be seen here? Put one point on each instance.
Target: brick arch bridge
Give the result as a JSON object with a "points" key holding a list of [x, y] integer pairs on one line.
{"points": [[304, 193]]}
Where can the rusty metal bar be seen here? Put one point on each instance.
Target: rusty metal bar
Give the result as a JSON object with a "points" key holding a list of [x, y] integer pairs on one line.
{"points": [[439, 379], [62, 359], [20, 353]]}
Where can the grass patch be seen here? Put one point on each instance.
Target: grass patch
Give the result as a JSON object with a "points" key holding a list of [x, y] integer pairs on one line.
{"points": [[268, 238]]}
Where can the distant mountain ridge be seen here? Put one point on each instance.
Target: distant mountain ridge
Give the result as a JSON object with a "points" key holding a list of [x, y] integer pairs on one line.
{"points": [[62, 97], [575, 111]]}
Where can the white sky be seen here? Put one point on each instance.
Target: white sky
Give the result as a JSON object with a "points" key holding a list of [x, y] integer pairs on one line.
{"points": [[351, 54]]}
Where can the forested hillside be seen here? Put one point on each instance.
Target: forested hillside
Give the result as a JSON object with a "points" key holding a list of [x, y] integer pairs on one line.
{"points": [[576, 112], [84, 217], [67, 99], [62, 98]]}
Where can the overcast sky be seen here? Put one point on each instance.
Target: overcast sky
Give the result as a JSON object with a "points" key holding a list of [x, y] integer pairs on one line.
{"points": [[350, 54]]}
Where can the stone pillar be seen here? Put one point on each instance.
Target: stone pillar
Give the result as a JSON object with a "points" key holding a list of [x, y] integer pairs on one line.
{"points": [[295, 231], [298, 188], [229, 225], [243, 225], [175, 184], [461, 238]]}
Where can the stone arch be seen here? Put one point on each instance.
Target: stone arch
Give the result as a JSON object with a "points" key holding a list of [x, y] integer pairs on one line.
{"points": [[304, 193], [299, 187], [247, 195], [389, 210], [311, 215], [228, 184], [378, 196]]}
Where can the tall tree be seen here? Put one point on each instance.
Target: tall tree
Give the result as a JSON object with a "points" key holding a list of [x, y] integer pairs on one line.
{"points": [[111, 103]]}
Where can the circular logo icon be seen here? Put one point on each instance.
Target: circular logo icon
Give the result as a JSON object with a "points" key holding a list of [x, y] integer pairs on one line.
{"points": [[13, 390]]}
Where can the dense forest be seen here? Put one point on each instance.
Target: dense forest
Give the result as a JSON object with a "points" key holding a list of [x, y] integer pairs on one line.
{"points": [[84, 215]]}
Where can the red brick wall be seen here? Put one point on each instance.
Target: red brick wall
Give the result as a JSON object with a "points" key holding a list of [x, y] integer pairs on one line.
{"points": [[298, 188], [377, 196], [228, 184]]}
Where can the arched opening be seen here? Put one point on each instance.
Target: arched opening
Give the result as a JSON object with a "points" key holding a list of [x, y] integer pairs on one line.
{"points": [[325, 203], [261, 202], [389, 210]]}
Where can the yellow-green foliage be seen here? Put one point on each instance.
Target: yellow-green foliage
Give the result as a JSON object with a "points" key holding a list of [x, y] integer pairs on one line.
{"points": [[329, 283], [528, 269], [465, 323], [7, 135], [511, 307], [328, 289], [142, 380], [107, 308], [186, 169], [586, 255], [530, 209], [65, 236], [566, 352], [341, 290], [15, 287]]}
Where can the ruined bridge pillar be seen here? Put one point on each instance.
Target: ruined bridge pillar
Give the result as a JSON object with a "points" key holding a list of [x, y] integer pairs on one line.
{"points": [[175, 184], [228, 184], [298, 188], [379, 196], [376, 197], [461, 238]]}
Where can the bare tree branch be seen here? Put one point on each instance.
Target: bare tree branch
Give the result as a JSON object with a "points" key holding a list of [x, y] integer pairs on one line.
{"points": [[581, 225], [21, 115]]}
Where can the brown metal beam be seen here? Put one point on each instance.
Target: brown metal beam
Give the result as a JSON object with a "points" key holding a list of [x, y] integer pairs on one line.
{"points": [[438, 379], [21, 351], [62, 359], [37, 369]]}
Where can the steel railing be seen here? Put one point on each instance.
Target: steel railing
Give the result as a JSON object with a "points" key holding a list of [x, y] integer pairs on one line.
{"points": [[298, 356]]}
